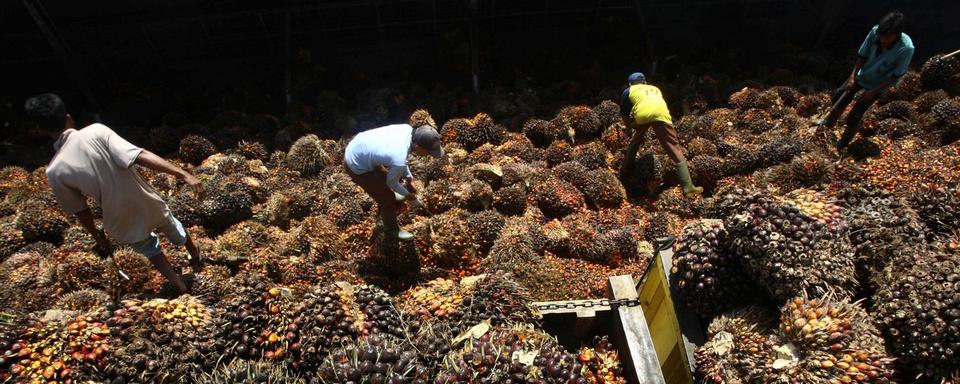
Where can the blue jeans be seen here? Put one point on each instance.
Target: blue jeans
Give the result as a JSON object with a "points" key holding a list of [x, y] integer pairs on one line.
{"points": [[150, 247]]}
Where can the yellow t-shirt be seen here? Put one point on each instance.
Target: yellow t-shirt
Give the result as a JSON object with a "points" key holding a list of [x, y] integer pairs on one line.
{"points": [[648, 104]]}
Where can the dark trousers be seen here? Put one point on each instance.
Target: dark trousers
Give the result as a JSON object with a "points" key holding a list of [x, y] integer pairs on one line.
{"points": [[667, 136], [845, 95], [374, 183]]}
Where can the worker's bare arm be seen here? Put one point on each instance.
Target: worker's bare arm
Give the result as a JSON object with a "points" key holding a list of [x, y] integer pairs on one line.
{"points": [[85, 217], [151, 160]]}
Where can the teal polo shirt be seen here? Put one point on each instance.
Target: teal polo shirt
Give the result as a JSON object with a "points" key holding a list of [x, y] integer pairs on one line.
{"points": [[882, 65]]}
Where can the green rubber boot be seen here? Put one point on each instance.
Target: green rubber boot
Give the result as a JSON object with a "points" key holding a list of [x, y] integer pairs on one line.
{"points": [[392, 229], [683, 172]]}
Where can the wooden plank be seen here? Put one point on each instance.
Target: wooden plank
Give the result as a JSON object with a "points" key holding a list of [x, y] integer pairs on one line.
{"points": [[630, 333]]}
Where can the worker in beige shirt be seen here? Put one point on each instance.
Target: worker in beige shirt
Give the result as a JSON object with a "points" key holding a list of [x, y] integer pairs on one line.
{"points": [[97, 163]]}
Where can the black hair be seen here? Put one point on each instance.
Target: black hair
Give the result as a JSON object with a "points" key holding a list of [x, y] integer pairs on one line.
{"points": [[48, 111], [891, 23]]}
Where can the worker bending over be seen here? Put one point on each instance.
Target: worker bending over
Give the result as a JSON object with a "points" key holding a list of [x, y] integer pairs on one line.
{"points": [[642, 106], [883, 58], [376, 160], [97, 163]]}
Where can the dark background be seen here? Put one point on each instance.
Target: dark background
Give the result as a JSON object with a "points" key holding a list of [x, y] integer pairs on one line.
{"points": [[139, 59]]}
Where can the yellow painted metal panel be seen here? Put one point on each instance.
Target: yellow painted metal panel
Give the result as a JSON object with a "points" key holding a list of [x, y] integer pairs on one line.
{"points": [[664, 327]]}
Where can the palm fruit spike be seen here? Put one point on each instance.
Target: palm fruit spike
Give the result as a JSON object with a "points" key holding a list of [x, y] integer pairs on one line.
{"points": [[194, 149], [498, 299], [918, 312], [252, 150], [372, 360], [709, 279], [307, 156], [787, 250], [736, 349]]}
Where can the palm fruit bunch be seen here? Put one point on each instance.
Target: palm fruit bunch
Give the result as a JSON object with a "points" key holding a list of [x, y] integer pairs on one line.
{"points": [[77, 270], [541, 132], [558, 152], [372, 360], [517, 146], [380, 316], [11, 240], [244, 315], [603, 189], [195, 149], [829, 341], [55, 352], [937, 72], [307, 156], [431, 341], [881, 225], [756, 120], [706, 171], [787, 250], [739, 159], [752, 98], [331, 316], [810, 105], [420, 118], [160, 340], [555, 197], [316, 239], [816, 205], [939, 209], [211, 284], [572, 172], [736, 349], [592, 155], [138, 270], [84, 300], [536, 357], [616, 137], [780, 150], [580, 120], [252, 150], [281, 337], [698, 146], [23, 287], [901, 110], [221, 211], [440, 298], [238, 243], [944, 117], [487, 226], [346, 212], [708, 278], [925, 102], [40, 221], [496, 298], [608, 112], [447, 240], [601, 362], [474, 132], [662, 224], [251, 372], [186, 208], [473, 195], [917, 310]]}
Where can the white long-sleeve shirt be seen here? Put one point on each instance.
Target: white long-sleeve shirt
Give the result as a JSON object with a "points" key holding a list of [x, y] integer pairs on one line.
{"points": [[385, 146]]}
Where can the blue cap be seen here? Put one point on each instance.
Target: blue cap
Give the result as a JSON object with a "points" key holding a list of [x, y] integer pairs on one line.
{"points": [[636, 78]]}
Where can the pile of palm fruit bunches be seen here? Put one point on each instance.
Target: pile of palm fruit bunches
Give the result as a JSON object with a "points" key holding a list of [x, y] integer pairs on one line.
{"points": [[802, 268]]}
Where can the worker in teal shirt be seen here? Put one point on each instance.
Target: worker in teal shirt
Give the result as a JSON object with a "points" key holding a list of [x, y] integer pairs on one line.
{"points": [[883, 58]]}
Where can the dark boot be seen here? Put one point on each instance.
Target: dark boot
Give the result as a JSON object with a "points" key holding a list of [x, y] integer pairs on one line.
{"points": [[683, 172], [848, 134]]}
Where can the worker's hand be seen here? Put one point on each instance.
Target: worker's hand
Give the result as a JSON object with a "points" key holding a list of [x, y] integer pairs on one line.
{"points": [[851, 83], [872, 94], [103, 248], [194, 184]]}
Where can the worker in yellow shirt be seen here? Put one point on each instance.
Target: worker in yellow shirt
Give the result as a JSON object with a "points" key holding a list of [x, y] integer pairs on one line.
{"points": [[642, 106]]}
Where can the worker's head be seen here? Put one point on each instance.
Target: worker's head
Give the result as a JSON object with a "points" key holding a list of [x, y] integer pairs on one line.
{"points": [[890, 28], [49, 112], [636, 78], [426, 141]]}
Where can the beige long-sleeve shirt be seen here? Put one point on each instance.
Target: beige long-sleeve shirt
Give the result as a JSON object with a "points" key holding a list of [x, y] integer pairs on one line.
{"points": [[96, 162]]}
